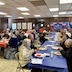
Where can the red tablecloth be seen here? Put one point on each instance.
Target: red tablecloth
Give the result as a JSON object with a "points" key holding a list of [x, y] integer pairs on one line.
{"points": [[3, 44]]}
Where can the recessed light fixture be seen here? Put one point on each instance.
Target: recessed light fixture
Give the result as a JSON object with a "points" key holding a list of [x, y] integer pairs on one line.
{"points": [[69, 12], [20, 17], [37, 15], [62, 12], [65, 1], [55, 15], [2, 13], [25, 13], [53, 9], [1, 3], [8, 16], [22, 8]]}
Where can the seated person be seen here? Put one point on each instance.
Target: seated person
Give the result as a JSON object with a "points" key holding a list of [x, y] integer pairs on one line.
{"points": [[6, 35], [32, 40], [13, 41], [42, 38], [67, 54], [25, 54], [59, 35], [64, 38], [20, 37]]}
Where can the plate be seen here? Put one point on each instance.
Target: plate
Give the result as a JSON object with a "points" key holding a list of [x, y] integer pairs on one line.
{"points": [[55, 48], [46, 54], [57, 53], [39, 55], [47, 45], [42, 48]]}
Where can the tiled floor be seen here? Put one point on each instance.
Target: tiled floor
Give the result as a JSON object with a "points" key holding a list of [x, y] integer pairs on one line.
{"points": [[8, 65]]}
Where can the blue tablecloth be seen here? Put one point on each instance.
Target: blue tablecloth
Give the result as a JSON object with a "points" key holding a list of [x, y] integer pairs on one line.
{"points": [[57, 63]]}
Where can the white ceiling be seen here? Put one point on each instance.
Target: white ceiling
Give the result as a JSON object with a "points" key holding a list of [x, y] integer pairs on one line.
{"points": [[43, 10]]}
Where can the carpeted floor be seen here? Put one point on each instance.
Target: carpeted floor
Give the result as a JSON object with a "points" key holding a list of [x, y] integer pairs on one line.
{"points": [[8, 65]]}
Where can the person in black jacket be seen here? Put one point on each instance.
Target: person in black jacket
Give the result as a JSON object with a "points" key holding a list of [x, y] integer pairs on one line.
{"points": [[64, 38], [67, 54], [42, 38], [6, 35]]}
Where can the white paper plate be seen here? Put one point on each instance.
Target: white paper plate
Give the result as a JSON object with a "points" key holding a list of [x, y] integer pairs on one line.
{"points": [[52, 41], [39, 55], [55, 48], [47, 45], [46, 54], [43, 48]]}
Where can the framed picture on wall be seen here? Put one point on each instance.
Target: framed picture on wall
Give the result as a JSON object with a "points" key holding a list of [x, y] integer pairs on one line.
{"points": [[18, 25], [14, 26], [29, 25], [24, 26]]}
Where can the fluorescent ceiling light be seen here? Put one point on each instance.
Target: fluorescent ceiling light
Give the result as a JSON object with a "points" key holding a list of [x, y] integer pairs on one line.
{"points": [[69, 13], [25, 13], [1, 3], [65, 1], [37, 15], [2, 13], [20, 17], [8, 16], [62, 12], [23, 9], [53, 9], [55, 15]]}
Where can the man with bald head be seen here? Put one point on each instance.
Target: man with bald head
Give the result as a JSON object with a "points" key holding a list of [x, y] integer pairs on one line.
{"points": [[68, 54]]}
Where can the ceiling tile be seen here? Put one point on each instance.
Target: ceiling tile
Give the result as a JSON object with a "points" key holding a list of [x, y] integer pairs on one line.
{"points": [[20, 0], [44, 7], [52, 3], [7, 1], [28, 4], [64, 7], [38, 3]]}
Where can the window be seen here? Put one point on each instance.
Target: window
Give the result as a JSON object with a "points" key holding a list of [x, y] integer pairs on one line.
{"points": [[13, 26]]}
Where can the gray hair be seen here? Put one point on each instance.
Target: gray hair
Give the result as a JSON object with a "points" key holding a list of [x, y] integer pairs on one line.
{"points": [[26, 43], [69, 41]]}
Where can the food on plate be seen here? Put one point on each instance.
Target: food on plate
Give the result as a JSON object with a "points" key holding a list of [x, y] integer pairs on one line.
{"points": [[57, 53], [58, 45], [42, 48], [38, 54]]}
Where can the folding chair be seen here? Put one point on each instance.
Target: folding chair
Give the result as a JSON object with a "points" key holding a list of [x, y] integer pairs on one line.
{"points": [[19, 67]]}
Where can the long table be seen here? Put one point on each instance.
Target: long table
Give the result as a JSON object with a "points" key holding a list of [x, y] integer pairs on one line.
{"points": [[57, 63]]}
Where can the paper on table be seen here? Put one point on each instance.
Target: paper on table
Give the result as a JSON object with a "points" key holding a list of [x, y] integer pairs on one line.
{"points": [[52, 41], [54, 47], [36, 61], [47, 45]]}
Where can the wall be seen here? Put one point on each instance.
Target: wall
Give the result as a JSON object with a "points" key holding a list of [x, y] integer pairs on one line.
{"points": [[3, 23], [46, 20], [9, 22]]}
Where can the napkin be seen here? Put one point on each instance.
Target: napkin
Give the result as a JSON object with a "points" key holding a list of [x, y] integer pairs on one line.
{"points": [[36, 61]]}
